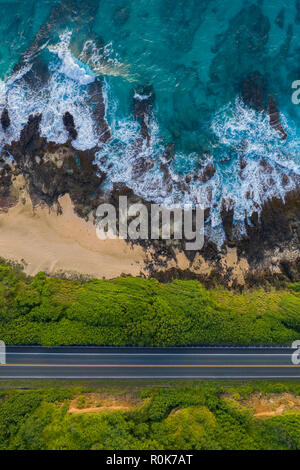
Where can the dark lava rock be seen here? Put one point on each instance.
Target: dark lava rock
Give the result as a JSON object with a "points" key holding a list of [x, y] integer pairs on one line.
{"points": [[5, 119], [7, 199], [30, 143], [207, 173], [120, 189], [181, 186], [61, 169], [227, 213], [285, 180], [243, 163], [143, 101], [97, 106], [69, 124], [278, 225], [166, 173]]}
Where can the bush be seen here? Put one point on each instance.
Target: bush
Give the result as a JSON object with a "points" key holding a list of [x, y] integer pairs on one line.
{"points": [[194, 416], [141, 312]]}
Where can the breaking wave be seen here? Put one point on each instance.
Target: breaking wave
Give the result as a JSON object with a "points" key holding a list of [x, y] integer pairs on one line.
{"points": [[251, 162]]}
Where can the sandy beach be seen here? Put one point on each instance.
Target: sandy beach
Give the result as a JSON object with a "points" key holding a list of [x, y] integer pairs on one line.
{"points": [[55, 243]]}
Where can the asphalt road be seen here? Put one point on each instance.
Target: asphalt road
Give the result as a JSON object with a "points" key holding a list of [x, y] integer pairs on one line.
{"points": [[147, 363]]}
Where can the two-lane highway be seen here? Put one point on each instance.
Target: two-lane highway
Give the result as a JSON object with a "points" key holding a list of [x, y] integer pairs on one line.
{"points": [[148, 363]]}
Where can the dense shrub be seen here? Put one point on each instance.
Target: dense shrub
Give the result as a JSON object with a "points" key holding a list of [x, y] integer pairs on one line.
{"points": [[194, 416], [135, 311]]}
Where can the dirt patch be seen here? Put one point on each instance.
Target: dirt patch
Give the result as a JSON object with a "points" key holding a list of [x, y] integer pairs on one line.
{"points": [[275, 404], [100, 403]]}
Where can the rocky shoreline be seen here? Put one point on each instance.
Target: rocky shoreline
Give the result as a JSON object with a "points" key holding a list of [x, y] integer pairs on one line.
{"points": [[267, 252], [265, 249]]}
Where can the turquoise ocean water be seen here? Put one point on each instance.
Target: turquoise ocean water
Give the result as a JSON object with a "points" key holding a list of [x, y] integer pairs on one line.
{"points": [[195, 54]]}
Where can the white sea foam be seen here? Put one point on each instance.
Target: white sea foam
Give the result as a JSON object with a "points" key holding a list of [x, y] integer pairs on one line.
{"points": [[238, 130], [64, 91], [70, 66], [245, 133], [67, 95], [2, 92], [53, 100]]}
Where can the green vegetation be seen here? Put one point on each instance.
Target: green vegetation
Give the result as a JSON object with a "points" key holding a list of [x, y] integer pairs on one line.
{"points": [[196, 415], [135, 311]]}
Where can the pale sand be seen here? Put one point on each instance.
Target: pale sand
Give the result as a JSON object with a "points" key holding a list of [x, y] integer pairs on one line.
{"points": [[63, 243]]}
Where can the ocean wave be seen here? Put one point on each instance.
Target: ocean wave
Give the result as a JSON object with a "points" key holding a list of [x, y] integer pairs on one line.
{"points": [[70, 66], [238, 126], [65, 90], [270, 166], [239, 134]]}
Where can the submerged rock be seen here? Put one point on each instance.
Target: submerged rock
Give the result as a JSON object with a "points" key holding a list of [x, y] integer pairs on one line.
{"points": [[169, 152], [141, 166], [253, 90], [121, 15], [267, 168], [167, 179], [254, 94], [274, 117], [243, 165], [239, 47], [280, 18], [143, 101]]}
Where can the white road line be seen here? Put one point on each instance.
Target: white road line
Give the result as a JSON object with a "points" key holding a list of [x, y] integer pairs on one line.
{"points": [[144, 354]]}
